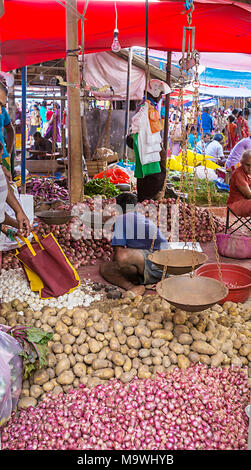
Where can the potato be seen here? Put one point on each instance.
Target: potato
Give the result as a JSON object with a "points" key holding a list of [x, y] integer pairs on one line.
{"points": [[203, 348], [205, 359], [100, 364], [75, 331], [94, 345], [41, 376], [66, 319], [72, 360], [57, 348], [67, 349], [61, 328], [114, 344], [49, 386], [163, 334], [89, 358], [66, 377], [217, 359], [145, 342], [26, 402], [176, 347], [144, 372], [245, 349], [118, 359], [185, 338], [133, 342], [106, 374], [127, 376], [52, 360], [83, 349], [180, 317], [67, 338], [63, 364], [194, 356], [118, 327], [79, 369], [81, 338]]}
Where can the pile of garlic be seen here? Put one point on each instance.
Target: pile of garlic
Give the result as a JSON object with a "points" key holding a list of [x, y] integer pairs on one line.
{"points": [[13, 285]]}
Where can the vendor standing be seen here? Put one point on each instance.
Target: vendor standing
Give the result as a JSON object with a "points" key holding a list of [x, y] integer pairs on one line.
{"points": [[145, 139], [239, 200], [5, 126]]}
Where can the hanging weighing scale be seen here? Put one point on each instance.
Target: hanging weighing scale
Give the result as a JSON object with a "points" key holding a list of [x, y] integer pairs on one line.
{"points": [[188, 292]]}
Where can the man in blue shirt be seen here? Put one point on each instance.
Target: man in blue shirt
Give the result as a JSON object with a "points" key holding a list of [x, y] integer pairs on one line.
{"points": [[132, 239], [207, 122], [5, 124]]}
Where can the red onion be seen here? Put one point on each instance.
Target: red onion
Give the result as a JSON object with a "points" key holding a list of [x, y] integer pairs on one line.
{"points": [[104, 417]]}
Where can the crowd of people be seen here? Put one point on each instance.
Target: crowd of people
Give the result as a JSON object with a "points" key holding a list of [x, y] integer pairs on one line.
{"points": [[43, 118], [224, 136]]}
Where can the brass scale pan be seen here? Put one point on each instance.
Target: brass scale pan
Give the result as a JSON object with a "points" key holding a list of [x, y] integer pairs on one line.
{"points": [[192, 294]]}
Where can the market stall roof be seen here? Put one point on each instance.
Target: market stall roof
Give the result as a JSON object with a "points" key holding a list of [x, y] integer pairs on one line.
{"points": [[222, 91], [34, 31]]}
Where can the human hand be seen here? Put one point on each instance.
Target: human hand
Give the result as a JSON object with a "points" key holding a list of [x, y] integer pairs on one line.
{"points": [[24, 227]]}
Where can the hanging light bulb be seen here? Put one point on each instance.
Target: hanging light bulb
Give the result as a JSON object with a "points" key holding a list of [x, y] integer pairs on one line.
{"points": [[115, 44], [41, 76]]}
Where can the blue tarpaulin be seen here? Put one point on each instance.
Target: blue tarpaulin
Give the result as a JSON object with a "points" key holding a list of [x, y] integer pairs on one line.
{"points": [[227, 78]]}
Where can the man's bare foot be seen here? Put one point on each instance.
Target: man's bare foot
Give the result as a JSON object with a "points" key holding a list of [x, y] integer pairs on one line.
{"points": [[138, 290]]}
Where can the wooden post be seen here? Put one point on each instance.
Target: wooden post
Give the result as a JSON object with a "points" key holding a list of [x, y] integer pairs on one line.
{"points": [[23, 156], [75, 164], [167, 103], [12, 114]]}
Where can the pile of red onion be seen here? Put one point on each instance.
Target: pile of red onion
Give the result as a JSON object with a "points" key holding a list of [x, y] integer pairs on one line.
{"points": [[196, 408], [92, 246]]}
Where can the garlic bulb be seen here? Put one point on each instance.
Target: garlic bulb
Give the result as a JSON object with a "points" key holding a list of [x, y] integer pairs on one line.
{"points": [[14, 284]]}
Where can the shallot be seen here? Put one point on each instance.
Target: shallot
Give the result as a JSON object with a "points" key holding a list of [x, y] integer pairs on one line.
{"points": [[199, 408]]}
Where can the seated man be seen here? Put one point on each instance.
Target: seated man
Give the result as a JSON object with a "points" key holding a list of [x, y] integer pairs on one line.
{"points": [[132, 238], [203, 143], [215, 148], [41, 143], [239, 200]]}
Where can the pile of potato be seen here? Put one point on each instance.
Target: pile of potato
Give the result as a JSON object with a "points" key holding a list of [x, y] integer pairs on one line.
{"points": [[133, 336]]}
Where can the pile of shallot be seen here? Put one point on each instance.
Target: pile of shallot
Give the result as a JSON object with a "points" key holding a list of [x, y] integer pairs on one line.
{"points": [[84, 245], [196, 408]]}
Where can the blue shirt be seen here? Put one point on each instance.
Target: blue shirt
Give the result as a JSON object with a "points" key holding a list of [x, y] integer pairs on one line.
{"points": [[134, 230], [207, 123], [4, 121]]}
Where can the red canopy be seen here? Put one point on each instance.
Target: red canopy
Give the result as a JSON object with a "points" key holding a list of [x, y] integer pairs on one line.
{"points": [[34, 31]]}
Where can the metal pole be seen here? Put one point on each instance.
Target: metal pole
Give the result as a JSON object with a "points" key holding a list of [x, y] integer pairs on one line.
{"points": [[23, 131], [127, 102], [167, 103], [75, 165]]}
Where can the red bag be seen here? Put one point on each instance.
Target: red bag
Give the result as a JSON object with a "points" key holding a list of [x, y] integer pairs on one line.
{"points": [[47, 268]]}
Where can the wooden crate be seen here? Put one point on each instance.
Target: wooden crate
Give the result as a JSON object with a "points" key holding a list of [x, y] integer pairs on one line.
{"points": [[43, 166], [96, 166]]}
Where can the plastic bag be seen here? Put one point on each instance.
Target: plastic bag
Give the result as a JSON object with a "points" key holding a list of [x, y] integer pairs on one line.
{"points": [[10, 374], [115, 175], [234, 245]]}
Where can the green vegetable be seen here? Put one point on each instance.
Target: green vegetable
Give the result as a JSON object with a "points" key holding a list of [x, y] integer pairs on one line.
{"points": [[101, 186], [34, 346], [218, 198]]}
